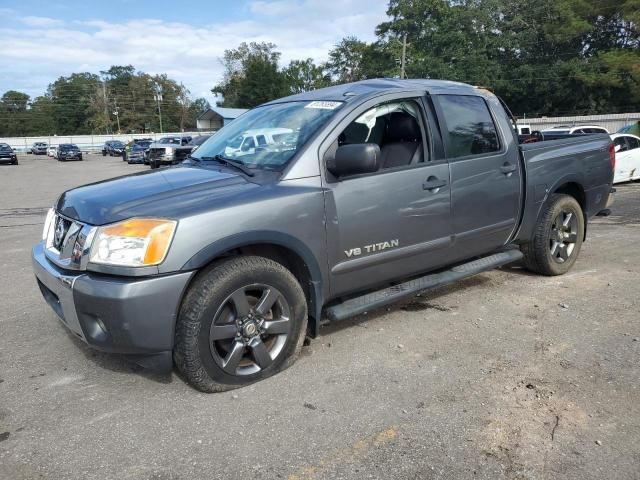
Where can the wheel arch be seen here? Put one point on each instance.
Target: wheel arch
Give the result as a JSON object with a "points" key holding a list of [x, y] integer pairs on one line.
{"points": [[575, 189], [282, 248]]}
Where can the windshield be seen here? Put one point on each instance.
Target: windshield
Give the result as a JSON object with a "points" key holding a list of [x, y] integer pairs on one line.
{"points": [[141, 145], [4, 146], [268, 137], [169, 140], [68, 147]]}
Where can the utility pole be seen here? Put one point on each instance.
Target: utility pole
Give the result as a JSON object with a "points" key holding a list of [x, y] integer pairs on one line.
{"points": [[116, 113], [158, 97], [106, 105], [403, 60]]}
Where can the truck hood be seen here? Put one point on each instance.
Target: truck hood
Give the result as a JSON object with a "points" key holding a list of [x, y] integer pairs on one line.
{"points": [[169, 193]]}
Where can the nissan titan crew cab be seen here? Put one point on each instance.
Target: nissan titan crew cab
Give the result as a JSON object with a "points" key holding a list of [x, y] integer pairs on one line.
{"points": [[361, 195]]}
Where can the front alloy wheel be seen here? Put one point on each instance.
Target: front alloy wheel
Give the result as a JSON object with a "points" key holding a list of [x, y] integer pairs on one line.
{"points": [[250, 329], [243, 319]]}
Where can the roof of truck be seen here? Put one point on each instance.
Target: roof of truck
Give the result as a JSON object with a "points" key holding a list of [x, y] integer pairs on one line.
{"points": [[347, 91]]}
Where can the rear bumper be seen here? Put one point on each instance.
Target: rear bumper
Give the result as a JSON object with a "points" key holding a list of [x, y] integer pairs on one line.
{"points": [[113, 314], [612, 198]]}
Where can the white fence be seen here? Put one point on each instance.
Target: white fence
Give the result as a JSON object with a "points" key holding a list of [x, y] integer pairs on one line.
{"points": [[88, 143], [612, 122]]}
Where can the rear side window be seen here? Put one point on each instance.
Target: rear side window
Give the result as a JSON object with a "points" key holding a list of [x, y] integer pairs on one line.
{"points": [[620, 144], [470, 128], [633, 143]]}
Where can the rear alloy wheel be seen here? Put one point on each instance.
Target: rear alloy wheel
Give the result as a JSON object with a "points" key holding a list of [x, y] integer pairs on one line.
{"points": [[242, 320], [557, 237]]}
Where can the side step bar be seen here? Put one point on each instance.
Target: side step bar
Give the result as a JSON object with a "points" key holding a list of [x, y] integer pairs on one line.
{"points": [[369, 301]]}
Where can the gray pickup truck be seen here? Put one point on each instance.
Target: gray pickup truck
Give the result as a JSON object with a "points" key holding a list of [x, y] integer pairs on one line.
{"points": [[369, 193]]}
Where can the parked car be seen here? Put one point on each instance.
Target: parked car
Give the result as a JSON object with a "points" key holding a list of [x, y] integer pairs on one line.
{"points": [[627, 149], [129, 146], [113, 148], [224, 264], [7, 155], [39, 148], [167, 151], [247, 142], [136, 152], [197, 141], [524, 129], [68, 151], [52, 150]]}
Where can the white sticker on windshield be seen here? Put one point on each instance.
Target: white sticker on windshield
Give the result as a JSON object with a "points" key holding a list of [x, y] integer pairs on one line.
{"points": [[324, 105]]}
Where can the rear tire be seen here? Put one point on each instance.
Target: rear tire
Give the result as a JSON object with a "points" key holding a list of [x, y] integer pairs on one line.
{"points": [[242, 320], [557, 238]]}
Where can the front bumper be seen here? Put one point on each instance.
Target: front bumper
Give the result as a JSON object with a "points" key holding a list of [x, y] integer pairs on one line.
{"points": [[113, 314]]}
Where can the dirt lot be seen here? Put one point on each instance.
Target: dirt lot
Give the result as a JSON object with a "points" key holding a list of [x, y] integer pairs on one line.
{"points": [[505, 375]]}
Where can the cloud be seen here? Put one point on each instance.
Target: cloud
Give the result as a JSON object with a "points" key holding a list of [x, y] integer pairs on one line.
{"points": [[190, 54], [41, 21]]}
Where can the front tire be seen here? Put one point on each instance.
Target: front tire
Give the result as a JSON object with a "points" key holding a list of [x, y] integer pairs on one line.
{"points": [[242, 320], [557, 238]]}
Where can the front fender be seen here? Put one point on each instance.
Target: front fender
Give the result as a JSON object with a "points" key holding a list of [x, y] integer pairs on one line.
{"points": [[262, 237]]}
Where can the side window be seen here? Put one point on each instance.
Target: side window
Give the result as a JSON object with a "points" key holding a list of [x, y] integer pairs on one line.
{"points": [[248, 144], [619, 144], [633, 143], [470, 128], [261, 140], [580, 131], [396, 127], [526, 131], [599, 130]]}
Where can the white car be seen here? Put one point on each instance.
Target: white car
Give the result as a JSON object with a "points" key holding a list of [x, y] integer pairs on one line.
{"points": [[246, 143], [627, 157], [52, 151], [576, 130]]}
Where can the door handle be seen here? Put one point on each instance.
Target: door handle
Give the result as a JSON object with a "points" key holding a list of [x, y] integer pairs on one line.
{"points": [[433, 183], [508, 168]]}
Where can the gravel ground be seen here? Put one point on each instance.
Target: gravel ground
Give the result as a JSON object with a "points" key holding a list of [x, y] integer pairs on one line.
{"points": [[504, 375]]}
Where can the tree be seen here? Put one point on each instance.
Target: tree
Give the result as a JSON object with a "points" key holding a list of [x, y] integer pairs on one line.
{"points": [[251, 76], [13, 112], [304, 75]]}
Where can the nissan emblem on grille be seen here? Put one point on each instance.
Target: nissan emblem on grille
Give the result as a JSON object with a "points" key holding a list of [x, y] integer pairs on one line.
{"points": [[59, 233]]}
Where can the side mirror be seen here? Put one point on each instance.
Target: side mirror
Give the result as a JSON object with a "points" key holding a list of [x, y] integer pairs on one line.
{"points": [[355, 159]]}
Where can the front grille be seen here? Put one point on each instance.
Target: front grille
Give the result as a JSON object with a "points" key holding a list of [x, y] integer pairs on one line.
{"points": [[157, 153], [60, 232], [68, 242]]}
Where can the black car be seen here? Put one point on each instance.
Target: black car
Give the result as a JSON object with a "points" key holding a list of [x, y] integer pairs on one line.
{"points": [[68, 151], [113, 148], [7, 155]]}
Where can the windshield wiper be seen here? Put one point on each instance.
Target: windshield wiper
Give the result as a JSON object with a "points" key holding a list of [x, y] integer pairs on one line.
{"points": [[230, 163]]}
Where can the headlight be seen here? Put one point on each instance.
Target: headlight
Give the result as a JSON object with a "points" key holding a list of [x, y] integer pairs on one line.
{"points": [[47, 223], [137, 242]]}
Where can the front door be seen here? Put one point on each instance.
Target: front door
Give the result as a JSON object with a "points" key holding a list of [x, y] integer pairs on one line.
{"points": [[395, 222]]}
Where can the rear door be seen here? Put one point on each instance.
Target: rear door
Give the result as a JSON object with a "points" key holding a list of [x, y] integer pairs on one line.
{"points": [[623, 160], [634, 157], [486, 176]]}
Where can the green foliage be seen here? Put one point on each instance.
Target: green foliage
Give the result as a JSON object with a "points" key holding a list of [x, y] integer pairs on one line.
{"points": [[251, 76], [543, 58], [85, 103], [304, 75]]}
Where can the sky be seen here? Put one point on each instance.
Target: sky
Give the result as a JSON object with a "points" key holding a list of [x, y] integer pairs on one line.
{"points": [[43, 40]]}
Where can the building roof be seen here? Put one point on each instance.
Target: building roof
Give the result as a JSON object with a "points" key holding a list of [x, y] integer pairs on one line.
{"points": [[228, 113]]}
